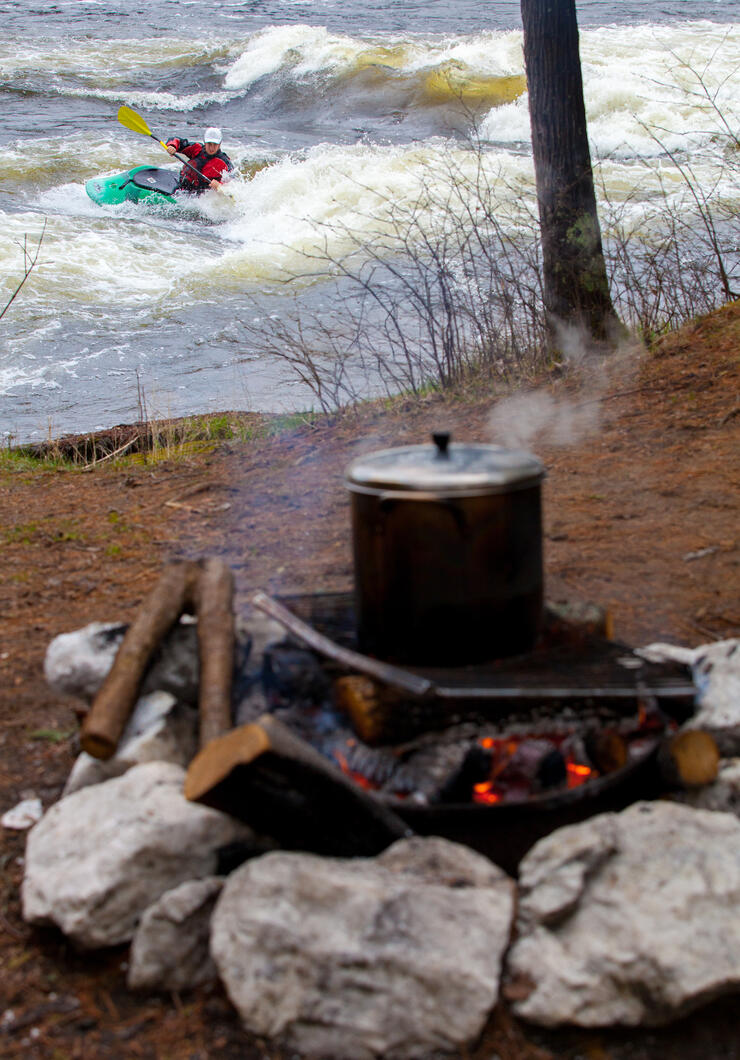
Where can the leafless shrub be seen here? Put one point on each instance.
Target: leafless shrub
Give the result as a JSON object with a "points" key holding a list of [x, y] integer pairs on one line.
{"points": [[450, 281], [683, 259], [667, 267], [438, 286]]}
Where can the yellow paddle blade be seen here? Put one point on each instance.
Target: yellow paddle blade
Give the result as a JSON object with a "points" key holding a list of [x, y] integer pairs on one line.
{"points": [[133, 121]]}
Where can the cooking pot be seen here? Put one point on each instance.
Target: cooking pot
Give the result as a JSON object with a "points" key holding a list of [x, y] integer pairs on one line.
{"points": [[447, 542]]}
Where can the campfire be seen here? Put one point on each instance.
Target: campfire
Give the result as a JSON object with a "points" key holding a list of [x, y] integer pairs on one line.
{"points": [[341, 753], [325, 735], [484, 715]]}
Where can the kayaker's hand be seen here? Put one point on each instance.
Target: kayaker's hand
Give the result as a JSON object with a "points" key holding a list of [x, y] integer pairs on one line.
{"points": [[171, 149], [216, 186]]}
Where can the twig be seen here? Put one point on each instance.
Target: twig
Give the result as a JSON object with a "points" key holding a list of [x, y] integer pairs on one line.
{"points": [[729, 415], [108, 456], [30, 264], [199, 511]]}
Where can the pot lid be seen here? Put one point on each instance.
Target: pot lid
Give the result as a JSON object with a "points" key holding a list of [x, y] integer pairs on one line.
{"points": [[444, 466]]}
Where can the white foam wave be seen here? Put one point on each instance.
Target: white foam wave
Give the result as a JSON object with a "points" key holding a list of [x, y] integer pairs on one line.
{"points": [[153, 100], [306, 50], [334, 197], [96, 264], [327, 200], [107, 62], [648, 89]]}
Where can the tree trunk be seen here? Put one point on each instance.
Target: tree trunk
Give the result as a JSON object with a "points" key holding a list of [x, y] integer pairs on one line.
{"points": [[575, 282]]}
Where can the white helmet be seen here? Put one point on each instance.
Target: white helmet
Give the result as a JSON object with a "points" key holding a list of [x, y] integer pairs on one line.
{"points": [[213, 135]]}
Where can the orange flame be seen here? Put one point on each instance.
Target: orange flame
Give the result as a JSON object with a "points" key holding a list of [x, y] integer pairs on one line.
{"points": [[578, 774], [359, 778], [484, 793]]}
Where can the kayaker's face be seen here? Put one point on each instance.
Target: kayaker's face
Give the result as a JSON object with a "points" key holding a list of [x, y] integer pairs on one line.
{"points": [[211, 149]]}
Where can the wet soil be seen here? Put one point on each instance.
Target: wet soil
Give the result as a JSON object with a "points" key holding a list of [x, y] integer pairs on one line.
{"points": [[641, 517]]}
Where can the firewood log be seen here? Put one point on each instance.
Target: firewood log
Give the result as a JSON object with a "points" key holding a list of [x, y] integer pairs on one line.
{"points": [[265, 775], [214, 593], [606, 749], [689, 759], [370, 708], [117, 695]]}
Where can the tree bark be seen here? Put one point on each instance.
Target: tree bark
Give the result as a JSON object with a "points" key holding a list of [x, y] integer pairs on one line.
{"points": [[574, 272], [214, 594], [116, 697]]}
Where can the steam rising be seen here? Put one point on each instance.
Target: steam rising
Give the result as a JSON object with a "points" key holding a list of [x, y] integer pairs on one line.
{"points": [[537, 418], [527, 420]]}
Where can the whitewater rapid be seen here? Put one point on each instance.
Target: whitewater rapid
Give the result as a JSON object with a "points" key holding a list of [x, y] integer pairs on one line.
{"points": [[328, 132]]}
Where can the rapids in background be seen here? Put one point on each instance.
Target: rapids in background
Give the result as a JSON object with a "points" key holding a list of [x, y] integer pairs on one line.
{"points": [[325, 125]]}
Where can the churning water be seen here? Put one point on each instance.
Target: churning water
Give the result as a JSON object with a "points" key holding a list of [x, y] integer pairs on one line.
{"points": [[329, 109]]}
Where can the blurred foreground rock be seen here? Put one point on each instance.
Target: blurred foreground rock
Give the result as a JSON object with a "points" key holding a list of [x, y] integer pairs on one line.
{"points": [[715, 670], [629, 918], [159, 730], [170, 948], [77, 663], [103, 855], [394, 956]]}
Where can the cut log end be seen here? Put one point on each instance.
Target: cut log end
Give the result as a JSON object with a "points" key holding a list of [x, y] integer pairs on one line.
{"points": [[359, 697], [690, 759], [274, 781], [98, 744], [221, 756]]}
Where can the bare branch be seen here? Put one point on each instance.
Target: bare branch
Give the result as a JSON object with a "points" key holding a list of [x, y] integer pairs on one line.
{"points": [[30, 261]]}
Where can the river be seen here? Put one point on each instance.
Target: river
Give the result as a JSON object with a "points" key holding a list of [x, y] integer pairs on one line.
{"points": [[324, 106]]}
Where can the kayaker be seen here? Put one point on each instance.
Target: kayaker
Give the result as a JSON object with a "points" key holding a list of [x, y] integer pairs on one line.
{"points": [[213, 164]]}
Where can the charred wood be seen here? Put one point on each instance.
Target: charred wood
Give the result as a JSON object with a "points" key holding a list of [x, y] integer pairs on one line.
{"points": [[277, 783]]}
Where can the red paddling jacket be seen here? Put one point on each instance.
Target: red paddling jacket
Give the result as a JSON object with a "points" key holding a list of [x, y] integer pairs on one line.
{"points": [[211, 167]]}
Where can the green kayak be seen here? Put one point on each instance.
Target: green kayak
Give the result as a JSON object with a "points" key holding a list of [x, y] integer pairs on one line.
{"points": [[141, 183]]}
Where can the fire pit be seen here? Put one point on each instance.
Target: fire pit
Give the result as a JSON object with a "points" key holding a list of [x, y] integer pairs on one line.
{"points": [[495, 756], [506, 720]]}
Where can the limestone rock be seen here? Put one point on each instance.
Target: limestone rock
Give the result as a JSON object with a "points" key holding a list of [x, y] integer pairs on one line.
{"points": [[170, 948], [159, 730], [716, 672], [103, 855], [396, 956], [260, 633], [628, 918], [23, 815], [77, 663]]}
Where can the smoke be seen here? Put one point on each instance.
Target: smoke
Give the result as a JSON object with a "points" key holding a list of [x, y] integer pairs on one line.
{"points": [[538, 418], [525, 420]]}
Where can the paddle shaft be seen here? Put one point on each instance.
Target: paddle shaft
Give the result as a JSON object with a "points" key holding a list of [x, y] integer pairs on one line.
{"points": [[179, 157], [136, 123]]}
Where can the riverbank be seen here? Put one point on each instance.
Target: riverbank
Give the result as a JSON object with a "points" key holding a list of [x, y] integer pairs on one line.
{"points": [[641, 516]]}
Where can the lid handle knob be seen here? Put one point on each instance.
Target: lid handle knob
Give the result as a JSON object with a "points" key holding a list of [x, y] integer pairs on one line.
{"points": [[441, 439]]}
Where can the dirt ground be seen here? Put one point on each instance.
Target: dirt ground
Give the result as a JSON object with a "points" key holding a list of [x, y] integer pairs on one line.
{"points": [[641, 516]]}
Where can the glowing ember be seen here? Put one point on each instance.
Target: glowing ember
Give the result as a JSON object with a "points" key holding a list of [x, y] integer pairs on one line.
{"points": [[359, 779], [485, 793], [578, 774], [510, 769], [515, 772]]}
